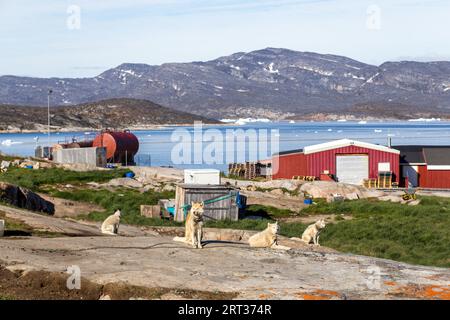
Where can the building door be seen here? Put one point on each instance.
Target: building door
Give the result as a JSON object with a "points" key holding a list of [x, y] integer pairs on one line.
{"points": [[411, 173], [352, 168]]}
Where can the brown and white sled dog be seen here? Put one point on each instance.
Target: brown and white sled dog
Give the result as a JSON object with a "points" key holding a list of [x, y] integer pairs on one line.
{"points": [[194, 226], [312, 233], [111, 224], [267, 238]]}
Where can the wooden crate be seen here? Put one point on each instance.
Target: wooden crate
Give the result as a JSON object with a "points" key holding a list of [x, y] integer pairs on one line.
{"points": [[151, 211], [226, 209]]}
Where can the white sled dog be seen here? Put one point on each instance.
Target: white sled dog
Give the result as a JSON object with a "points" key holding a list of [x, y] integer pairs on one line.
{"points": [[312, 233], [194, 226], [111, 224], [267, 238]]}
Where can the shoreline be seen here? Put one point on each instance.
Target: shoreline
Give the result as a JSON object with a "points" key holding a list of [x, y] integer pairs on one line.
{"points": [[227, 124], [82, 130]]}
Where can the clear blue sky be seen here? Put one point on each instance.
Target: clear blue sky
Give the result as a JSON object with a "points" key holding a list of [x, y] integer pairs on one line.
{"points": [[35, 39]]}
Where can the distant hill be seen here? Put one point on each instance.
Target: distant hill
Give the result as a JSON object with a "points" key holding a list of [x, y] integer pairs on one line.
{"points": [[112, 113], [273, 83]]}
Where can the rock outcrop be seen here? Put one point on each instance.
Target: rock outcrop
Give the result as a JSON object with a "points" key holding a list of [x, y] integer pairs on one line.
{"points": [[326, 189]]}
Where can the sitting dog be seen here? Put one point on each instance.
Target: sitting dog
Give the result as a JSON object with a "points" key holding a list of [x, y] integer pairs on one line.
{"points": [[194, 226], [312, 233], [111, 224], [267, 238]]}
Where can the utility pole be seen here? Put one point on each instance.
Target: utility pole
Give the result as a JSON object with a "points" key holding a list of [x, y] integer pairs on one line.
{"points": [[50, 91]]}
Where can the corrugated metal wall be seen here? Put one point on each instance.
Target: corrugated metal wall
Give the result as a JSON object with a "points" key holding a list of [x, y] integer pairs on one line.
{"points": [[326, 160], [289, 165], [299, 164], [434, 178]]}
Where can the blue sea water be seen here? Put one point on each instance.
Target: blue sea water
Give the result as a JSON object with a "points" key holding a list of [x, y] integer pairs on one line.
{"points": [[156, 146]]}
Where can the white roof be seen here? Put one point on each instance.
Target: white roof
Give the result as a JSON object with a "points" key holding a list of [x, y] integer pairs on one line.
{"points": [[346, 143], [193, 171]]}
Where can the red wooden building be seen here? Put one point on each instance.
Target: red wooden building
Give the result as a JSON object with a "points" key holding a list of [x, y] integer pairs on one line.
{"points": [[347, 160], [425, 166]]}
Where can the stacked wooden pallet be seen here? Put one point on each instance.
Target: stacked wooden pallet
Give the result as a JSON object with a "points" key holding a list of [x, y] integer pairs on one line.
{"points": [[370, 183], [236, 169], [247, 170], [304, 178], [385, 180]]}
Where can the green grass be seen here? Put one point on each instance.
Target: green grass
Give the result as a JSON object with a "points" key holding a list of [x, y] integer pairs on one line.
{"points": [[268, 211], [8, 158], [34, 179], [414, 234], [129, 201]]}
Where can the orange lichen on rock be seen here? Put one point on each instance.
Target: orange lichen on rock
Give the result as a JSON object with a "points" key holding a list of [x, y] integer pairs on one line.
{"points": [[438, 292], [264, 296], [313, 297], [319, 295], [390, 283], [424, 292], [327, 292]]}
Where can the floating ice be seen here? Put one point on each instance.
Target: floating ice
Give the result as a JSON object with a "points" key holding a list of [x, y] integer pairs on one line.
{"points": [[9, 142]]}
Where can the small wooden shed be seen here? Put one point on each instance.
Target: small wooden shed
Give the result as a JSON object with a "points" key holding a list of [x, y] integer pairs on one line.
{"points": [[220, 201]]}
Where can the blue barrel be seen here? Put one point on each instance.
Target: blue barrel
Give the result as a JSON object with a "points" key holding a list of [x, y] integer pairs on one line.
{"points": [[308, 201], [129, 174]]}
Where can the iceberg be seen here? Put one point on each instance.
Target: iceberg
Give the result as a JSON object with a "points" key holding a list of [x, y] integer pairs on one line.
{"points": [[9, 142]]}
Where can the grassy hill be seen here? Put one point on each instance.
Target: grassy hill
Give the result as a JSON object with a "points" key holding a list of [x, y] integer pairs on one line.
{"points": [[112, 113]]}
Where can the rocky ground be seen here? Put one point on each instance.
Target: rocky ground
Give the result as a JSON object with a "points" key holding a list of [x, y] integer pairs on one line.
{"points": [[146, 263]]}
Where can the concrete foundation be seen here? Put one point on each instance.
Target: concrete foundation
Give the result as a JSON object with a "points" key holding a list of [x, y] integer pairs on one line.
{"points": [[90, 156]]}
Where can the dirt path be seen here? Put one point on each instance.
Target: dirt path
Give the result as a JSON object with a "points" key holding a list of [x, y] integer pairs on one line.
{"points": [[49, 223], [69, 208]]}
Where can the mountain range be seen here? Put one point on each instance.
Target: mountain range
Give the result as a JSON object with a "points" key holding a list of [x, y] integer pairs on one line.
{"points": [[272, 83]]}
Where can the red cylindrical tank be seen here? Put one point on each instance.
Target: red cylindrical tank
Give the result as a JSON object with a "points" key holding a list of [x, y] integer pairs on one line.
{"points": [[120, 146]]}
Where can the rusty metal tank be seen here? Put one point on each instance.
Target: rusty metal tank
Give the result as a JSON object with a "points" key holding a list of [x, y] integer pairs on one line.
{"points": [[121, 146], [72, 145], [80, 144]]}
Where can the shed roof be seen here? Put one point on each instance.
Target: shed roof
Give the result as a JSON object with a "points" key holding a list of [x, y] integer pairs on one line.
{"points": [[284, 153], [204, 186], [411, 154], [429, 155], [437, 156], [346, 143]]}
